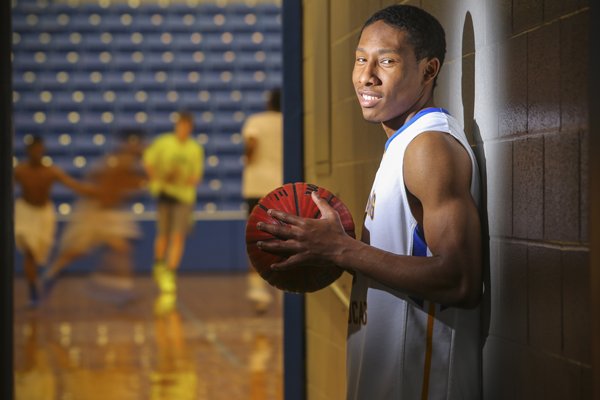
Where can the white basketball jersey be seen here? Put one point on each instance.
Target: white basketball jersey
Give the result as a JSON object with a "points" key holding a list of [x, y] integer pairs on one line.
{"points": [[401, 347]]}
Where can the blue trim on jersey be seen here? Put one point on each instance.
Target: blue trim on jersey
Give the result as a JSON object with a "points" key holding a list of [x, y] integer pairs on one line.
{"points": [[415, 117], [419, 245], [419, 248]]}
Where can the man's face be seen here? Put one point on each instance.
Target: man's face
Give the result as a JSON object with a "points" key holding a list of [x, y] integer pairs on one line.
{"points": [[35, 152], [388, 79], [184, 128]]}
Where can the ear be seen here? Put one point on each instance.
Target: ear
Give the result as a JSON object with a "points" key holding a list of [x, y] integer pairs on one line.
{"points": [[431, 70]]}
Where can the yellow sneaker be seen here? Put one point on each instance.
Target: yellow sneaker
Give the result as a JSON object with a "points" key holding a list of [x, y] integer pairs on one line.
{"points": [[166, 281], [165, 303], [157, 270]]}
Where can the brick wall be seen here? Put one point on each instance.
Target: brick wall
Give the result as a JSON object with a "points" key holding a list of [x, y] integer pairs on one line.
{"points": [[538, 345]]}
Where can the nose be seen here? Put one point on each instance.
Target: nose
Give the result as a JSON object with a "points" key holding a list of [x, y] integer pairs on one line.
{"points": [[367, 75]]}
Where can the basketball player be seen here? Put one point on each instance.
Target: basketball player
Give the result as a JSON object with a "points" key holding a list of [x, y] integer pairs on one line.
{"points": [[263, 171], [174, 163], [35, 220], [104, 219], [413, 319]]}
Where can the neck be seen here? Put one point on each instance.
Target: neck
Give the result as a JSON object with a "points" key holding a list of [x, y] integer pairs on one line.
{"points": [[422, 102]]}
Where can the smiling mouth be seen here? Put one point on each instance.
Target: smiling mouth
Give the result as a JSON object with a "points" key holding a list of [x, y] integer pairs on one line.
{"points": [[368, 100]]}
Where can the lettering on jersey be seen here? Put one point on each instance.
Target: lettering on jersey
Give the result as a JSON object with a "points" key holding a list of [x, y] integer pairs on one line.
{"points": [[357, 314], [370, 210]]}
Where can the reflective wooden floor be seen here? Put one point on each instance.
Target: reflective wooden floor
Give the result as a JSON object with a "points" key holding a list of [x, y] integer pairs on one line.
{"points": [[208, 343]]}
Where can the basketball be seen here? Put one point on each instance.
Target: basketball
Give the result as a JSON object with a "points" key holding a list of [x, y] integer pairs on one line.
{"points": [[292, 198]]}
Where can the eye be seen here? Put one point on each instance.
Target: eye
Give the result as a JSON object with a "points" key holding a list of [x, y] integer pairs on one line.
{"points": [[361, 60], [386, 61]]}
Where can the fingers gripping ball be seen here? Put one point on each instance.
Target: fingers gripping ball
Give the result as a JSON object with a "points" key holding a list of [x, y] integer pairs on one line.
{"points": [[293, 198]]}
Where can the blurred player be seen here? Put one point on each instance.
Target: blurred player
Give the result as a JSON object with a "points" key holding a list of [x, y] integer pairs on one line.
{"points": [[35, 221], [263, 172], [104, 220], [174, 163]]}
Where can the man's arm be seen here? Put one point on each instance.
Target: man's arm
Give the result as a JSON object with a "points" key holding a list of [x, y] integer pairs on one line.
{"points": [[81, 188], [437, 172], [250, 144], [197, 168]]}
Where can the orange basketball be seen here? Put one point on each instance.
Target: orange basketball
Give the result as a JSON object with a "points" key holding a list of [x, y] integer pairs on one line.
{"points": [[292, 198]]}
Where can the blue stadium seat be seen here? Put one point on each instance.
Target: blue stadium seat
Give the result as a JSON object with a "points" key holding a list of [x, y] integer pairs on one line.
{"points": [[240, 8], [147, 80], [192, 100], [223, 100], [123, 60], [273, 41], [157, 100], [25, 60], [250, 60], [254, 99], [127, 100], [124, 40], [269, 22], [112, 23], [232, 188], [87, 145], [223, 145], [29, 41], [274, 60], [99, 100], [30, 100], [204, 23], [97, 41]]}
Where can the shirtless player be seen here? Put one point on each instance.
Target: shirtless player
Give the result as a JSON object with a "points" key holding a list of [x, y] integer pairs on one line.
{"points": [[35, 220]]}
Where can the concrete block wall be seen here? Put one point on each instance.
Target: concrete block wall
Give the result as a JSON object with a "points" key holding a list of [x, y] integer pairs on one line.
{"points": [[539, 340], [516, 75]]}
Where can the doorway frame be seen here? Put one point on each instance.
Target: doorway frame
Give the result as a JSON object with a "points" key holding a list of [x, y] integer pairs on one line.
{"points": [[6, 205], [294, 341]]}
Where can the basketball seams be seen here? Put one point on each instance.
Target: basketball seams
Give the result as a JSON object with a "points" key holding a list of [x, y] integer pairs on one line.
{"points": [[296, 200]]}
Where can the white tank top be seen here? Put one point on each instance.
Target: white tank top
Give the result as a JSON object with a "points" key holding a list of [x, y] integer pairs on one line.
{"points": [[395, 350]]}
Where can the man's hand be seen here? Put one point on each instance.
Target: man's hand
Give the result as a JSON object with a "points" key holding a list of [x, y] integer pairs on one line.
{"points": [[305, 240]]}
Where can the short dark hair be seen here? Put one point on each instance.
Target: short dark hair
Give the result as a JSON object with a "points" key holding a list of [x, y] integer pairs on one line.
{"points": [[130, 134], [425, 33], [34, 140], [185, 116]]}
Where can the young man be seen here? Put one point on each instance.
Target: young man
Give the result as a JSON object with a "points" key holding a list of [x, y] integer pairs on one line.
{"points": [[174, 163], [35, 221], [413, 324], [263, 172], [104, 219]]}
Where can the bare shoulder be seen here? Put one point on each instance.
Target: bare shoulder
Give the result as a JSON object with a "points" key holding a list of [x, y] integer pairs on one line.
{"points": [[436, 161]]}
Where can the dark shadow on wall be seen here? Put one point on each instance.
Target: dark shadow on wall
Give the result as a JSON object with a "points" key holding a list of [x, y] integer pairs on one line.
{"points": [[476, 141]]}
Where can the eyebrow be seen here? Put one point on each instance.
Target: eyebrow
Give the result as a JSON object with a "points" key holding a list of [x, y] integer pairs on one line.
{"points": [[380, 51]]}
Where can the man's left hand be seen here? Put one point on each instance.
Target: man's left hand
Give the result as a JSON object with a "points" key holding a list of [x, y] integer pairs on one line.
{"points": [[305, 240]]}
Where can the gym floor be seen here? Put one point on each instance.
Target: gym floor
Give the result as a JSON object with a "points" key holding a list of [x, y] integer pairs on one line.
{"points": [[83, 343]]}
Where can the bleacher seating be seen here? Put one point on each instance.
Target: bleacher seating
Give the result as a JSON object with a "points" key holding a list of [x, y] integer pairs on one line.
{"points": [[83, 72]]}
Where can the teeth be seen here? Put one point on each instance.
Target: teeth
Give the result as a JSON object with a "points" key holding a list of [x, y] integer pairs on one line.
{"points": [[368, 98]]}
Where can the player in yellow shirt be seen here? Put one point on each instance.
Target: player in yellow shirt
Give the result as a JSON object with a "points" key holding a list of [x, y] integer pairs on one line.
{"points": [[174, 163]]}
